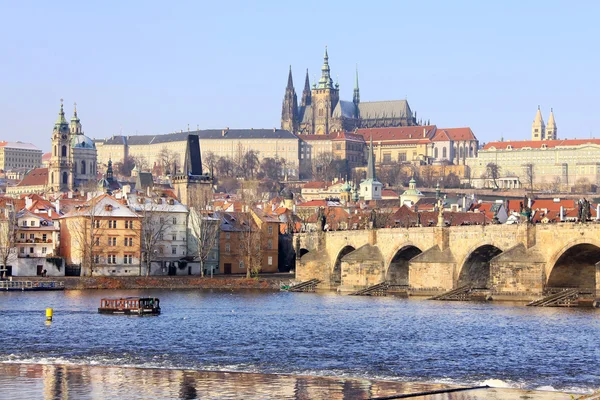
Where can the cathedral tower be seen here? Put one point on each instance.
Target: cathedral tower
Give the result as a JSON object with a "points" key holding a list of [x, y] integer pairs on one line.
{"points": [[306, 99], [325, 97], [356, 97], [289, 110], [59, 176], [551, 130], [538, 129]]}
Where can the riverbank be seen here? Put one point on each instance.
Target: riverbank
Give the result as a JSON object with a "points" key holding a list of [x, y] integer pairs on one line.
{"points": [[233, 282]]}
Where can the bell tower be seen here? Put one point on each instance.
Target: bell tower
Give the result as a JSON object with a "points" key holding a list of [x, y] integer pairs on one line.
{"points": [[59, 176], [538, 129], [325, 96]]}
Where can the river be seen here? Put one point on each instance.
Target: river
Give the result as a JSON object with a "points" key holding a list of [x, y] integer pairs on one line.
{"points": [[323, 334]]}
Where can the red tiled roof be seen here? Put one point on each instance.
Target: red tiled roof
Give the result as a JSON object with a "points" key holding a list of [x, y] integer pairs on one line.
{"points": [[400, 133], [47, 156], [540, 204], [388, 193], [315, 185], [460, 133], [313, 203], [35, 177], [537, 144]]}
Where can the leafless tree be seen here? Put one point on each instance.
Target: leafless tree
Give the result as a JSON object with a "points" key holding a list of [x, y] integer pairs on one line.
{"points": [[493, 172], [167, 159], [555, 184], [225, 167], [250, 239], [141, 163], [210, 162], [154, 223], [8, 235], [204, 228], [530, 177], [86, 228], [322, 166]]}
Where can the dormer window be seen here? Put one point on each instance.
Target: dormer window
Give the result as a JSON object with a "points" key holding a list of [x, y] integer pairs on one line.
{"points": [[509, 147]]}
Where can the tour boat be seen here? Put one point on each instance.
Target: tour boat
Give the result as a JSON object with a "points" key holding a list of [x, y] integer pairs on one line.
{"points": [[130, 306]]}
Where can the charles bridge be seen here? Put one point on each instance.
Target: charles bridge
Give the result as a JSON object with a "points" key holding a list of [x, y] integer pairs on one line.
{"points": [[523, 260]]}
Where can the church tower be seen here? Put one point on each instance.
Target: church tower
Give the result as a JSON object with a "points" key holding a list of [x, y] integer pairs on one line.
{"points": [[538, 129], [325, 97], [75, 126], [306, 99], [370, 188], [356, 97], [59, 176], [289, 110], [551, 130]]}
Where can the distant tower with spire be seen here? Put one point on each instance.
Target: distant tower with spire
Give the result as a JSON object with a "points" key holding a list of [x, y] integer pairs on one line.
{"points": [[538, 129], [325, 97], [59, 174], [289, 109], [356, 96], [551, 130], [370, 188]]}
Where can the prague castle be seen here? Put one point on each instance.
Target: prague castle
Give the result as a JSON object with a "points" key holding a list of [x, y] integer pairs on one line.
{"points": [[322, 112]]}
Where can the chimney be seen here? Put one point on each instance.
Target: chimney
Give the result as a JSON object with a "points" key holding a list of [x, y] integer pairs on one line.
{"points": [[274, 129], [528, 202], [28, 202], [50, 212], [224, 131], [424, 132], [464, 203], [126, 190], [70, 195], [562, 213], [57, 206]]}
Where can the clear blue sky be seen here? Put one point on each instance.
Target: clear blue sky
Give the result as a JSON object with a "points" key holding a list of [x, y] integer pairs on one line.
{"points": [[155, 67]]}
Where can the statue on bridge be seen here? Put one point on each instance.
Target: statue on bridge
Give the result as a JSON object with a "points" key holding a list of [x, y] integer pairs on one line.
{"points": [[322, 219], [583, 210]]}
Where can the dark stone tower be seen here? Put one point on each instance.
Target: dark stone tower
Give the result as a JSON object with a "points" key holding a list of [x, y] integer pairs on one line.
{"points": [[306, 97], [356, 97], [289, 110]]}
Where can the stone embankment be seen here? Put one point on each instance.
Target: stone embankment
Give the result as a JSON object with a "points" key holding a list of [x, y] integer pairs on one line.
{"points": [[232, 282]]}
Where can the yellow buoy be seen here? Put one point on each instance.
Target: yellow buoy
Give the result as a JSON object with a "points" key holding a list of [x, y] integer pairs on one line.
{"points": [[48, 314]]}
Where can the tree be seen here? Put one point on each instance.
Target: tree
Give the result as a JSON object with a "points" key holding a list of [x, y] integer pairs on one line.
{"points": [[250, 235], [270, 168], [529, 176], [204, 228], [492, 171], [154, 223], [225, 167], [167, 159], [141, 163], [124, 167], [322, 170], [451, 181], [250, 164], [210, 163], [85, 228], [8, 235], [556, 184]]}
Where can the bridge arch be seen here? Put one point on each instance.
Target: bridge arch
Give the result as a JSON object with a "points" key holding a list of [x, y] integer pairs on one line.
{"points": [[336, 273], [397, 270], [475, 269], [302, 252], [574, 265]]}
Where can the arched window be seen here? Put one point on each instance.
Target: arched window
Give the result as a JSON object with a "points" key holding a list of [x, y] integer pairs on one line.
{"points": [[64, 151], [460, 152], [82, 167], [435, 153], [65, 179], [52, 178], [471, 151], [55, 151], [444, 153]]}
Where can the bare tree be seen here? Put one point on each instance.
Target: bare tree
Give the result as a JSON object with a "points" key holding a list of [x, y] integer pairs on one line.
{"points": [[204, 228], [141, 163], [493, 172], [555, 184], [210, 163], [250, 240], [167, 159], [529, 176], [86, 228], [8, 235], [154, 222], [322, 170]]}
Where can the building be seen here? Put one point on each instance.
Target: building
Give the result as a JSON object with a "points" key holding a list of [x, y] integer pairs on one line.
{"points": [[103, 237], [339, 145], [552, 165], [35, 182], [321, 111], [73, 160], [370, 188], [231, 143], [19, 155], [539, 130]]}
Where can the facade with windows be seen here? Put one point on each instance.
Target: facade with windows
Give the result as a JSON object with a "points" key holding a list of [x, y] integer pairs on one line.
{"points": [[14, 155]]}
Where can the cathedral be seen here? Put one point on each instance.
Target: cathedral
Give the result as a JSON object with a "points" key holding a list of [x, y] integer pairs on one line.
{"points": [[73, 160], [322, 112]]}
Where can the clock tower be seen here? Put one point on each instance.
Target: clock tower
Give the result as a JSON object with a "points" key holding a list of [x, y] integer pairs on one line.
{"points": [[59, 176]]}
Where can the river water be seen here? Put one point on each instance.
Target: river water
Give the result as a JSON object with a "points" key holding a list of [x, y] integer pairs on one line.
{"points": [[323, 334]]}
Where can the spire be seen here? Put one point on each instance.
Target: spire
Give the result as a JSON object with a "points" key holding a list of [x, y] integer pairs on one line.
{"points": [[325, 82], [290, 84], [306, 95], [371, 164], [538, 129], [551, 130], [61, 115], [109, 170], [75, 118], [356, 97]]}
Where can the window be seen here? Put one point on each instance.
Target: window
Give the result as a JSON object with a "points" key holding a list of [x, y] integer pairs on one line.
{"points": [[44, 237], [270, 244], [227, 248], [22, 236], [270, 260], [97, 223], [174, 221], [128, 242], [227, 235], [162, 220], [63, 151], [401, 157], [31, 250], [444, 153], [97, 241], [112, 241], [112, 224], [160, 250], [270, 230], [31, 236], [44, 249], [173, 249], [96, 259], [174, 236], [112, 259], [387, 157], [241, 265], [24, 223], [22, 250], [128, 259], [161, 236], [126, 224], [435, 153]]}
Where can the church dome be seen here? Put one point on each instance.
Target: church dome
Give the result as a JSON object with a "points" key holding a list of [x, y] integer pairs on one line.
{"points": [[346, 187], [82, 142]]}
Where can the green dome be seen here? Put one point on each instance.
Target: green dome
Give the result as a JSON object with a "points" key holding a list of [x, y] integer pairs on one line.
{"points": [[82, 142], [346, 187]]}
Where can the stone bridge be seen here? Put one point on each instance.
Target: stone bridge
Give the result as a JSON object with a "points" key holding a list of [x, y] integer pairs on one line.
{"points": [[520, 259]]}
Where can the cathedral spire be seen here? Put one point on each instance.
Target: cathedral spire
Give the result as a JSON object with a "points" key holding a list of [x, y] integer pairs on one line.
{"points": [[325, 82], [551, 130], [356, 97], [538, 129], [290, 84], [289, 109], [61, 115], [306, 96]]}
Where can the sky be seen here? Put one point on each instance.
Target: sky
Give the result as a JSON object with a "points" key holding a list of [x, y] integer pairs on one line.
{"points": [[147, 67]]}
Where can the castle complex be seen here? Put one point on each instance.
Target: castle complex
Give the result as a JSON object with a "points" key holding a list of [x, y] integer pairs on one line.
{"points": [[322, 112]]}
